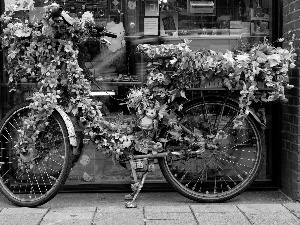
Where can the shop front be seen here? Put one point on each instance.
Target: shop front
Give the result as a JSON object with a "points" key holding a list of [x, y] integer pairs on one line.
{"points": [[117, 66]]}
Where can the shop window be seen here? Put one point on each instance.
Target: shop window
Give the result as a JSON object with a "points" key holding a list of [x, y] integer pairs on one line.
{"points": [[219, 24], [211, 24]]}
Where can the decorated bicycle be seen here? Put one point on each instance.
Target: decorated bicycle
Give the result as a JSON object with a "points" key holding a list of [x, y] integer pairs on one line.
{"points": [[208, 147]]}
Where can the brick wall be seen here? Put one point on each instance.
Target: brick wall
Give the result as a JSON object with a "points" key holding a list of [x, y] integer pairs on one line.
{"points": [[290, 152]]}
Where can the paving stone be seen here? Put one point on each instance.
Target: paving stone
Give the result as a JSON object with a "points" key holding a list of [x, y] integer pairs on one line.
{"points": [[214, 208], [119, 216], [219, 214], [21, 216], [293, 208], [222, 218], [266, 214], [119, 208], [171, 222], [179, 209], [258, 208], [69, 215], [167, 215], [278, 218]]}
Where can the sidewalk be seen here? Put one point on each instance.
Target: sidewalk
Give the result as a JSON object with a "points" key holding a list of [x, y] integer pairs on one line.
{"points": [[261, 208]]}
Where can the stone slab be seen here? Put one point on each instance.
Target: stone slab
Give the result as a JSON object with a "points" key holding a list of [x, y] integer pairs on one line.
{"points": [[116, 218], [69, 215], [212, 214], [293, 208], [21, 216], [119, 215], [266, 214], [259, 208], [119, 209], [174, 209], [167, 215], [222, 218], [214, 208], [171, 222], [278, 218]]}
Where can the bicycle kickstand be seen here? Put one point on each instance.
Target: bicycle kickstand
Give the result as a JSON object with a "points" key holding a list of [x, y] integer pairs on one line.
{"points": [[136, 188]]}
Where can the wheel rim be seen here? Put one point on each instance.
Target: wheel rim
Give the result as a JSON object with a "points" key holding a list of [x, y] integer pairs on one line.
{"points": [[36, 183], [215, 174]]}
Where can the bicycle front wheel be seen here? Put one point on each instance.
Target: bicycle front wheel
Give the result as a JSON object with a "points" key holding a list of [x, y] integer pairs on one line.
{"points": [[219, 170], [35, 185]]}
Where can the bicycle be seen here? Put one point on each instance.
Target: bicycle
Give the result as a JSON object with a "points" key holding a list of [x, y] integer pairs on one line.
{"points": [[213, 162], [204, 175]]}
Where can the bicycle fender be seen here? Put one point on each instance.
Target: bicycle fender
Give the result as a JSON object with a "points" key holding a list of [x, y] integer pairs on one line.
{"points": [[69, 124], [262, 123], [253, 114]]}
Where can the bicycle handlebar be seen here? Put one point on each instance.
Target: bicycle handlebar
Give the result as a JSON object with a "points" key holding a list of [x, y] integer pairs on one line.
{"points": [[109, 34], [102, 32]]}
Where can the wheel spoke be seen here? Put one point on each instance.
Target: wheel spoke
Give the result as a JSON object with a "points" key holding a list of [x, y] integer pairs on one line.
{"points": [[215, 173], [30, 184]]}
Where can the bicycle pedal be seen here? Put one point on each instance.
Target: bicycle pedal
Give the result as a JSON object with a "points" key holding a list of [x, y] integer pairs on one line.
{"points": [[128, 197], [130, 205]]}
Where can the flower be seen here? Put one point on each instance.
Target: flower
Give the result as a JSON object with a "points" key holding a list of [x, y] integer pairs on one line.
{"points": [[87, 19], [243, 57], [274, 59], [229, 57], [23, 33], [52, 63]]}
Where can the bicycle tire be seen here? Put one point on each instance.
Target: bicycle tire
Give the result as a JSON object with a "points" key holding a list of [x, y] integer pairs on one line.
{"points": [[229, 173], [35, 186]]}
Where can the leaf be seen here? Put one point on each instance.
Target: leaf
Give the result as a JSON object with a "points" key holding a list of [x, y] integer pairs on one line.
{"points": [[197, 133], [180, 107], [74, 111], [163, 111], [163, 140], [182, 93], [186, 41]]}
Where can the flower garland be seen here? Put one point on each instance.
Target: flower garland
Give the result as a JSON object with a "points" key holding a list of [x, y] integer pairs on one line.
{"points": [[239, 70], [47, 53]]}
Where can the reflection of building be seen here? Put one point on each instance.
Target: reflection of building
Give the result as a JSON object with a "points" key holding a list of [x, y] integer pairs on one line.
{"points": [[217, 25]]}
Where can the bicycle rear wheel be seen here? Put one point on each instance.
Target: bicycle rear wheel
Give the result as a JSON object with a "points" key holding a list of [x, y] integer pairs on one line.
{"points": [[38, 184], [214, 174]]}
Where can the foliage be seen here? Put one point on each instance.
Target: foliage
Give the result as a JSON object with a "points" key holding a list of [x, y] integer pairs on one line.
{"points": [[239, 70], [47, 53]]}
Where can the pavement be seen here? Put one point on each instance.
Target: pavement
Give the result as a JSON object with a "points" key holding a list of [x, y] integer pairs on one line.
{"points": [[166, 208]]}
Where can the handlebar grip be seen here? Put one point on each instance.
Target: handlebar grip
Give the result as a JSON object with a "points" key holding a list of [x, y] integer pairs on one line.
{"points": [[108, 34]]}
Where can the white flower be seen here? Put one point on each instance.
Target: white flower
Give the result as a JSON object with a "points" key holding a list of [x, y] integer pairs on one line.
{"points": [[274, 59], [23, 33], [244, 57], [87, 17], [68, 48], [229, 57], [174, 60]]}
